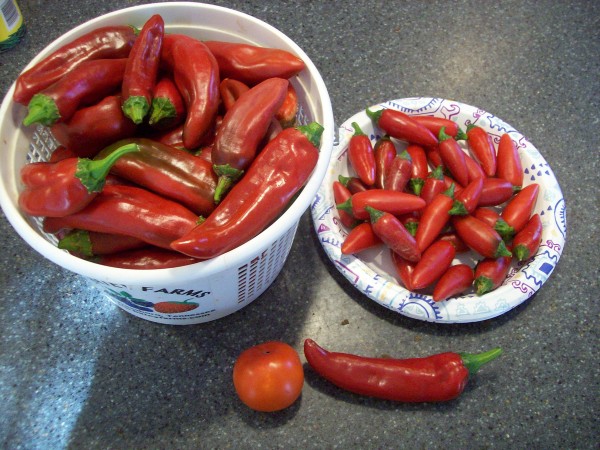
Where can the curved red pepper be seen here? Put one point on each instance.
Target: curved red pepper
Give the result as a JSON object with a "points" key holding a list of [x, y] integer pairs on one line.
{"points": [[467, 199], [230, 91], [87, 244], [480, 237], [490, 273], [276, 174], [527, 241], [111, 42], [167, 109], [393, 202], [394, 234], [384, 153], [340, 194], [252, 64], [88, 83], [456, 280], [141, 71], [453, 158], [435, 124], [402, 126], [287, 112], [434, 218], [508, 162], [496, 191], [482, 147], [399, 172], [66, 187], [146, 259], [420, 167], [360, 238], [435, 260], [94, 127], [435, 378], [362, 156], [518, 210]]}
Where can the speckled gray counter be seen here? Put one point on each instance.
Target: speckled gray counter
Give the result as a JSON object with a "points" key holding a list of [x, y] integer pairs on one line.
{"points": [[77, 372]]}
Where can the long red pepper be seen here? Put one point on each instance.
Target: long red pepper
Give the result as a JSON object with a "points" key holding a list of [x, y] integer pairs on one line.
{"points": [[482, 147], [230, 91], [456, 280], [508, 161], [435, 260], [480, 237], [276, 174], [420, 167], [490, 273], [434, 218], [518, 210], [360, 238], [393, 202], [399, 172], [453, 158], [433, 185], [384, 153], [527, 241], [402, 126], [141, 71], [340, 194], [287, 112], [100, 43], [66, 187], [394, 234], [404, 269], [467, 199], [435, 124], [496, 191], [361, 156], [434, 378], [88, 83]]}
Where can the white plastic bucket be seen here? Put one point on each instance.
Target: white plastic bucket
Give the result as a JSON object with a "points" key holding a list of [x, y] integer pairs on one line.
{"points": [[212, 289]]}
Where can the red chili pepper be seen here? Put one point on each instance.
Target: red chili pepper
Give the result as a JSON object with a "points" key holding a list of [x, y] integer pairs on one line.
{"points": [[420, 167], [435, 378], [435, 124], [435, 260], [390, 230], [87, 244], [146, 259], [410, 221], [384, 153], [171, 172], [142, 69], [360, 238], [480, 237], [508, 164], [467, 199], [455, 240], [340, 194], [242, 130], [527, 241], [490, 273], [455, 281], [453, 158], [353, 184], [434, 218], [111, 42], [518, 210], [494, 220], [94, 127], [496, 191], [230, 91], [86, 84], [404, 269], [276, 174], [361, 156], [393, 202], [474, 168], [482, 147], [434, 157], [402, 126], [63, 188], [196, 74], [399, 172], [252, 64], [286, 114], [434, 185], [168, 108], [131, 211]]}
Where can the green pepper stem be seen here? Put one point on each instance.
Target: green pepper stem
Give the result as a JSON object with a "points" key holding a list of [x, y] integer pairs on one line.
{"points": [[474, 361], [461, 135], [437, 173], [374, 214], [227, 177], [92, 173], [357, 129], [502, 250], [504, 229], [136, 108], [345, 206], [471, 126], [374, 115], [162, 108], [443, 136], [78, 242], [458, 209], [416, 185], [313, 132], [42, 109]]}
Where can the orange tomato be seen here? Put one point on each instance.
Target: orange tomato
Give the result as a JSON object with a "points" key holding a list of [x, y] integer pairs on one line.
{"points": [[269, 376]]}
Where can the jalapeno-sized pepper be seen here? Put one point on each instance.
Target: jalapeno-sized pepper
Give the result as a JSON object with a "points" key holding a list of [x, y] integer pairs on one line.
{"points": [[518, 210], [474, 168], [361, 155], [399, 172], [527, 241], [276, 174], [94, 127], [435, 260], [66, 187], [453, 158], [86, 84], [196, 74], [252, 64], [360, 238], [434, 218], [508, 161], [482, 147], [434, 378], [435, 124], [393, 202], [404, 269], [394, 234], [456, 280], [434, 184], [287, 112], [494, 220], [167, 109], [131, 211], [353, 184], [87, 244], [111, 42], [171, 172], [402, 126], [496, 191], [242, 130], [340, 194], [141, 71], [150, 258], [420, 167], [490, 273], [467, 199], [480, 237], [384, 152]]}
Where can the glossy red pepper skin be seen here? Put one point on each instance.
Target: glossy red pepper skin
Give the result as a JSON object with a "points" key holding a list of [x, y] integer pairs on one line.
{"points": [[467, 199], [66, 187], [252, 64], [167, 109], [141, 71], [361, 156], [61, 152], [434, 157], [87, 244], [393, 202], [456, 280], [287, 112], [435, 124], [493, 219], [276, 174], [420, 167], [434, 185], [111, 42], [527, 241], [474, 168], [455, 240], [169, 171], [518, 210], [340, 194], [230, 91], [481, 146], [402, 126], [151, 258], [94, 127], [404, 269], [88, 83], [508, 161], [394, 234], [360, 238], [435, 378], [453, 158], [384, 153], [480, 237], [399, 172], [435, 260], [196, 74], [490, 273], [353, 184], [434, 218], [496, 191], [131, 211]]}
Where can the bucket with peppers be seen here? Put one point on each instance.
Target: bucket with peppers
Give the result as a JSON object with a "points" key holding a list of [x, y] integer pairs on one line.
{"points": [[149, 178]]}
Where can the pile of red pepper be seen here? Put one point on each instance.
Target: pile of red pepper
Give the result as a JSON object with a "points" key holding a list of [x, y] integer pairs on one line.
{"points": [[172, 149], [437, 199]]}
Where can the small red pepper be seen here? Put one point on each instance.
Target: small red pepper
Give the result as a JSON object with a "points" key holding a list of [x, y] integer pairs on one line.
{"points": [[434, 218], [482, 147], [527, 241], [402, 126], [88, 83], [518, 210], [353, 184], [230, 91], [496, 191], [151, 258], [456, 280], [340, 194], [66, 187], [384, 153], [287, 112], [393, 202], [252, 64], [87, 244], [480, 237], [435, 378], [494, 220], [453, 158], [474, 168], [276, 174], [508, 164], [111, 42], [390, 230], [435, 124], [362, 156], [404, 269], [360, 238], [141, 71], [420, 167], [167, 109], [490, 273], [467, 199], [399, 172], [434, 185], [435, 260], [434, 157]]}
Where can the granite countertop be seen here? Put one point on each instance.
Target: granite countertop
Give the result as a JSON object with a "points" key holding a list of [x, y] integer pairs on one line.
{"points": [[77, 372]]}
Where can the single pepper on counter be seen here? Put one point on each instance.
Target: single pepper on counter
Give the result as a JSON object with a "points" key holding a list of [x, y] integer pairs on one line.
{"points": [[434, 378], [111, 42], [66, 187], [274, 177]]}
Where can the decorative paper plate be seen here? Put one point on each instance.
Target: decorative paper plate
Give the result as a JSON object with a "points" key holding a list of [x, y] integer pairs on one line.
{"points": [[372, 272]]}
